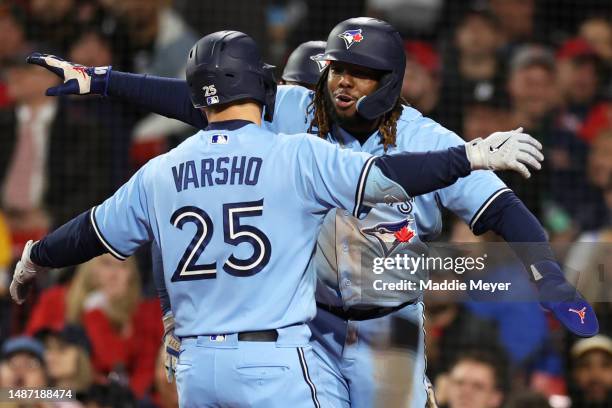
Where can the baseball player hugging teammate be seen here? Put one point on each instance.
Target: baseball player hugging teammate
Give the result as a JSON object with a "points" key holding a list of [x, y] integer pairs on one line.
{"points": [[257, 297]]}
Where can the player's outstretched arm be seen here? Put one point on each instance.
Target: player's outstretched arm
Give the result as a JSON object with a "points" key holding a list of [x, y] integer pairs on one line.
{"points": [[119, 226], [73, 243], [421, 173], [330, 174], [508, 217], [166, 96]]}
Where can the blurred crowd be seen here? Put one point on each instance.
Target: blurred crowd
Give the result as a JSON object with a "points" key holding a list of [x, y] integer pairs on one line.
{"points": [[474, 66]]}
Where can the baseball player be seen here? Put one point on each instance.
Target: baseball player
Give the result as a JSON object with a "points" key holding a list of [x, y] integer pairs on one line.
{"points": [[235, 239], [303, 67], [356, 104]]}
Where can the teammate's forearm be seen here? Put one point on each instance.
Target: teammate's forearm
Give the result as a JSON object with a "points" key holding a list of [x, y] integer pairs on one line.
{"points": [[508, 217], [73, 243], [166, 96], [421, 173]]}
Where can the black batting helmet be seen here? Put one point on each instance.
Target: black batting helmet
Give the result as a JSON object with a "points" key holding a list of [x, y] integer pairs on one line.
{"points": [[375, 44], [303, 66], [225, 67]]}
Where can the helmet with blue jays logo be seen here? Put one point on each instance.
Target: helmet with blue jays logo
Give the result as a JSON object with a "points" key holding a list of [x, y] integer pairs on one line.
{"points": [[225, 67], [375, 44], [302, 66]]}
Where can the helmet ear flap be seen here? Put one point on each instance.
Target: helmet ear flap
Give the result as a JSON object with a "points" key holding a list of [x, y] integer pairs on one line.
{"points": [[376, 104], [270, 92]]}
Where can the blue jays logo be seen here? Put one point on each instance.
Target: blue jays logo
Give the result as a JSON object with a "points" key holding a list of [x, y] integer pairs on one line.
{"points": [[351, 37], [321, 64], [391, 234]]}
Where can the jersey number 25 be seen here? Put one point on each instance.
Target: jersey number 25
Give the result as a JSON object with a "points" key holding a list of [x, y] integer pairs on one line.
{"points": [[234, 233]]}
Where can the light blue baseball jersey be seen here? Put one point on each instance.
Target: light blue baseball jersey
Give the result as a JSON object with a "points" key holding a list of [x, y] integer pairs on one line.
{"points": [[346, 246], [236, 214]]}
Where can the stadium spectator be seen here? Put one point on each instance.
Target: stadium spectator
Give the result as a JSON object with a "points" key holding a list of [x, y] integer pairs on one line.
{"points": [[159, 36], [591, 377], [93, 46], [125, 331], [484, 112], [451, 329], [52, 22], [520, 321], [22, 364], [597, 31], [54, 155], [475, 380], [25, 150], [67, 355], [533, 93], [577, 67], [577, 71], [421, 86], [516, 20], [160, 40], [599, 166], [14, 42], [532, 86], [472, 69]]}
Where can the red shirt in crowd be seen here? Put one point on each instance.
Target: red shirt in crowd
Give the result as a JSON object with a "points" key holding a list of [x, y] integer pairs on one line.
{"points": [[135, 349]]}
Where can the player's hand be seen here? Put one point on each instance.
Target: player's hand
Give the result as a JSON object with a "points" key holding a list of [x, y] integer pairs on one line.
{"points": [[78, 79], [564, 301], [25, 272], [512, 150], [172, 345]]}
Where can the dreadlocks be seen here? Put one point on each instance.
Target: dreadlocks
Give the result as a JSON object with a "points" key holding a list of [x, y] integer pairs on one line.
{"points": [[322, 120]]}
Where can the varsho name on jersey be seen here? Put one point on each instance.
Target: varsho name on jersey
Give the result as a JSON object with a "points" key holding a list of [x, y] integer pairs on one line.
{"points": [[234, 170]]}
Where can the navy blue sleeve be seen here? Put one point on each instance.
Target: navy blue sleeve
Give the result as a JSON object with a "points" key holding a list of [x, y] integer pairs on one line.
{"points": [[166, 96], [421, 173], [158, 278], [73, 243], [508, 217]]}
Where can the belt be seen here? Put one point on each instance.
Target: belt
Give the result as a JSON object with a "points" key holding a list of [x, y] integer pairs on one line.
{"points": [[360, 314], [260, 335]]}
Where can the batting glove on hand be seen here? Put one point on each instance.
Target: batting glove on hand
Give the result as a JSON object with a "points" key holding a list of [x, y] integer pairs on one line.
{"points": [[172, 345], [78, 79], [25, 272], [564, 301], [512, 150]]}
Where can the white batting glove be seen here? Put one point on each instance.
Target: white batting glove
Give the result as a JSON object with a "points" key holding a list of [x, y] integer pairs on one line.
{"points": [[172, 345], [25, 272], [512, 150]]}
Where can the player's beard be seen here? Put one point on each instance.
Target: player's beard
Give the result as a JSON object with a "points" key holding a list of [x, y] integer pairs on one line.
{"points": [[354, 123]]}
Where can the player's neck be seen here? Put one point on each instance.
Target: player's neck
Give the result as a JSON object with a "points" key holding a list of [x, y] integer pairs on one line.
{"points": [[250, 111]]}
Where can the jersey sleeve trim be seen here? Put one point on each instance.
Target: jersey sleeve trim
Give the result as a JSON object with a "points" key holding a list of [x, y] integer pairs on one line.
{"points": [[361, 185], [104, 242], [486, 205]]}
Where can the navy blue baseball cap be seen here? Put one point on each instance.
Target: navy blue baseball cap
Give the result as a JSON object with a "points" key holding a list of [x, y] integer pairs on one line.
{"points": [[70, 333], [23, 344]]}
